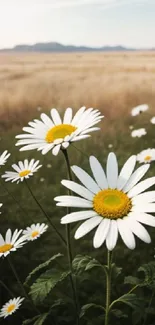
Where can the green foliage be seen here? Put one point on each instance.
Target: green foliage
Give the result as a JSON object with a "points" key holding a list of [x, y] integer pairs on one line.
{"points": [[38, 320], [86, 308], [131, 280], [40, 268], [149, 274], [45, 283], [85, 263]]}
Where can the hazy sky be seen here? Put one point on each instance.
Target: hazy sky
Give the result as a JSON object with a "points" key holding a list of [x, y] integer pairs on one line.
{"points": [[79, 22]]}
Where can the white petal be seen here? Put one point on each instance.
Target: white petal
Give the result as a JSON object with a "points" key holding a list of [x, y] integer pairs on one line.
{"points": [[112, 170], [145, 218], [46, 120], [144, 207], [147, 197], [67, 116], [112, 236], [85, 179], [138, 230], [126, 172], [135, 178], [78, 115], [56, 149], [72, 201], [98, 173], [55, 116], [78, 216], [87, 226], [101, 233], [8, 236], [126, 234], [79, 189], [141, 187]]}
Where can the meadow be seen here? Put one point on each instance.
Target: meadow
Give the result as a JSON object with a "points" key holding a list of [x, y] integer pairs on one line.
{"points": [[34, 83]]}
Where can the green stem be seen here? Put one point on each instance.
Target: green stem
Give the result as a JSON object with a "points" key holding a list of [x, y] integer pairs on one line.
{"points": [[45, 214], [69, 247], [108, 287], [149, 305]]}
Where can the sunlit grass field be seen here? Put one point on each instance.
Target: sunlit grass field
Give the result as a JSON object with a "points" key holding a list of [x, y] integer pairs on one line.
{"points": [[33, 83]]}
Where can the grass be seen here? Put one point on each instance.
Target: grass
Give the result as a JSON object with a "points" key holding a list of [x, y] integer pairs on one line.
{"points": [[114, 83]]}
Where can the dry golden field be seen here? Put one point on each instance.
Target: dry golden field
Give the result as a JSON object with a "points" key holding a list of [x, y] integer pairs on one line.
{"points": [[112, 82]]}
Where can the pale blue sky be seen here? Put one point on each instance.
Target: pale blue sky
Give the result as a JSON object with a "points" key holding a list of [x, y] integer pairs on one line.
{"points": [[79, 22]]}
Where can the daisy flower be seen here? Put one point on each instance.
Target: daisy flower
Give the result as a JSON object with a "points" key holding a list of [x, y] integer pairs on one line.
{"points": [[11, 242], [112, 202], [1, 206], [146, 156], [11, 306], [152, 120], [138, 133], [55, 134], [23, 170], [3, 157], [139, 109], [35, 231]]}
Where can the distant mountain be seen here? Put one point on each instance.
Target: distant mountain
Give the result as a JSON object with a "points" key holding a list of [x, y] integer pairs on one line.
{"points": [[57, 47]]}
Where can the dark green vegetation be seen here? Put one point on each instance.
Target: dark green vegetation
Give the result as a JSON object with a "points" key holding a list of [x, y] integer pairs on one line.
{"points": [[90, 279]]}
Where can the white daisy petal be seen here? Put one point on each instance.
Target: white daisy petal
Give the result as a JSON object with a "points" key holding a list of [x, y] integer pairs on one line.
{"points": [[85, 179], [98, 173], [126, 172], [141, 187], [136, 177], [78, 189], [138, 230], [126, 234], [101, 233], [145, 218], [55, 116], [112, 170], [112, 236], [67, 116], [78, 216], [56, 149], [87, 226], [147, 197]]}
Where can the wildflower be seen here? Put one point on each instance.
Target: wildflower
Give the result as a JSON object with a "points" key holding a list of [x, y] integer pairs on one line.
{"points": [[113, 202], [11, 242], [138, 133], [10, 307], [55, 134], [152, 120], [23, 170], [3, 157], [146, 156], [1, 206], [35, 231], [139, 109]]}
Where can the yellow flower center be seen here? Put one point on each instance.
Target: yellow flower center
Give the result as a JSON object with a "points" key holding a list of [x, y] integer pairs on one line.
{"points": [[111, 204], [147, 158], [11, 308], [24, 173], [59, 132], [5, 248], [35, 233]]}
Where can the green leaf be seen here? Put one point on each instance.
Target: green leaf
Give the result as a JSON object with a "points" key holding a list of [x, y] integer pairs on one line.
{"points": [[149, 274], [131, 280], [84, 263], [116, 271], [42, 267], [85, 308], [131, 300], [39, 320], [119, 313], [45, 283]]}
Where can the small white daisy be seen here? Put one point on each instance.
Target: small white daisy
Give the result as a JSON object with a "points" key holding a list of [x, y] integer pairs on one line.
{"points": [[152, 120], [3, 157], [146, 156], [113, 202], [35, 231], [23, 171], [10, 307], [55, 134], [11, 242], [139, 109], [1, 206], [138, 133]]}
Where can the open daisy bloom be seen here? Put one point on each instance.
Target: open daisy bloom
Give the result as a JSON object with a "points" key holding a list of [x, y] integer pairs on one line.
{"points": [[146, 156], [152, 120], [1, 206], [23, 171], [3, 157], [11, 306], [54, 134], [138, 133], [11, 242], [139, 109], [35, 231], [114, 203]]}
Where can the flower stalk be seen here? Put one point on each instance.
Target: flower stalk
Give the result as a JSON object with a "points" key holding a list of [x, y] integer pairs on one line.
{"points": [[108, 287]]}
